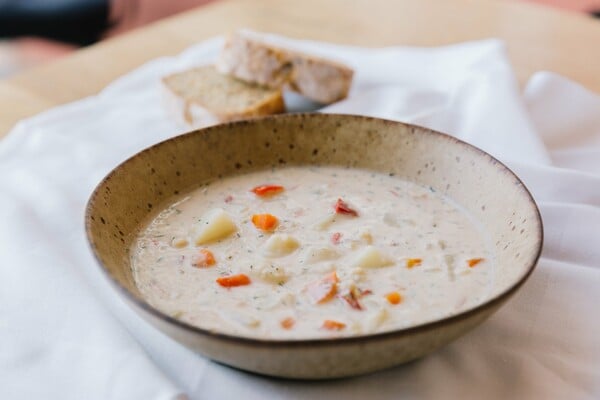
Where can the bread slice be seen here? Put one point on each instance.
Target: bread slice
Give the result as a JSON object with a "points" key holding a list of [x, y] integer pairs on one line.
{"points": [[202, 96], [247, 56]]}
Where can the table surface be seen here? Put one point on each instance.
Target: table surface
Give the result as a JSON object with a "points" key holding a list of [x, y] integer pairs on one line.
{"points": [[538, 38]]}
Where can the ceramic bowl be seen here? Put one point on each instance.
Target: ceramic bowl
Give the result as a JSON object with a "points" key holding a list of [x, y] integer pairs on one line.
{"points": [[477, 181]]}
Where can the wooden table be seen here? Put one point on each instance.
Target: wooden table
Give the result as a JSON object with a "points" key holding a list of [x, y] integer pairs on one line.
{"points": [[537, 37]]}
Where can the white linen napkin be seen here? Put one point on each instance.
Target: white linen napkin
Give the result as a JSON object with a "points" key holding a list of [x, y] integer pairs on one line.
{"points": [[64, 334]]}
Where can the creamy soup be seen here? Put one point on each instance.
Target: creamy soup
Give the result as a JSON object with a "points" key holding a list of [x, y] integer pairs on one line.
{"points": [[309, 252]]}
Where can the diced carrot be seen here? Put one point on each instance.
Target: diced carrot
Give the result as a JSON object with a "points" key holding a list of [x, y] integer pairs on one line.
{"points": [[267, 190], [332, 277], [341, 207], [209, 256], [264, 222], [287, 323], [204, 259], [332, 325], [324, 289], [335, 238], [233, 280], [413, 262], [394, 298], [474, 261]]}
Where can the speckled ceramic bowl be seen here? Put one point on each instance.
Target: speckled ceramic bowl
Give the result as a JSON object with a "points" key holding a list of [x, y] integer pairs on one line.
{"points": [[471, 177]]}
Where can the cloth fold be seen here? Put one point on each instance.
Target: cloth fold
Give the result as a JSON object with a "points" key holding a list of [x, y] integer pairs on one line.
{"points": [[66, 335]]}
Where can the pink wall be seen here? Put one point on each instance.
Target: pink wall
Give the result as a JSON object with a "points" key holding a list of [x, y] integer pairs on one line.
{"points": [[574, 5]]}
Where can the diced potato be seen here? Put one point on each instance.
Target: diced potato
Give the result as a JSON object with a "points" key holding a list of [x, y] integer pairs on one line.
{"points": [[271, 273], [362, 237], [179, 242], [214, 225], [376, 319], [263, 298], [356, 327], [318, 254], [279, 245], [267, 300], [371, 257], [358, 274], [365, 235], [248, 321], [252, 322], [288, 299], [324, 222]]}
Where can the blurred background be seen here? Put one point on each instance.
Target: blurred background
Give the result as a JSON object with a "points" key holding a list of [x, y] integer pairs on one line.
{"points": [[33, 32]]}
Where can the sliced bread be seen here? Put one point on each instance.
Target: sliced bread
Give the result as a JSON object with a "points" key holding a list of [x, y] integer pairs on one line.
{"points": [[202, 96], [247, 56]]}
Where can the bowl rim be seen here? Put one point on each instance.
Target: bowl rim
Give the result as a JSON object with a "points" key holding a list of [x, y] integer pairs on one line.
{"points": [[492, 302]]}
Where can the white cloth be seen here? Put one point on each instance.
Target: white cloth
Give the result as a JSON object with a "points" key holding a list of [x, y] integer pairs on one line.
{"points": [[64, 334]]}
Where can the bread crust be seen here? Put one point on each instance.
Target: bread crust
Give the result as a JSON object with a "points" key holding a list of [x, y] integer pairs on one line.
{"points": [[248, 58], [190, 110]]}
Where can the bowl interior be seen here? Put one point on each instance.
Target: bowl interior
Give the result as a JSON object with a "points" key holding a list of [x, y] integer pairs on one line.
{"points": [[143, 184]]}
